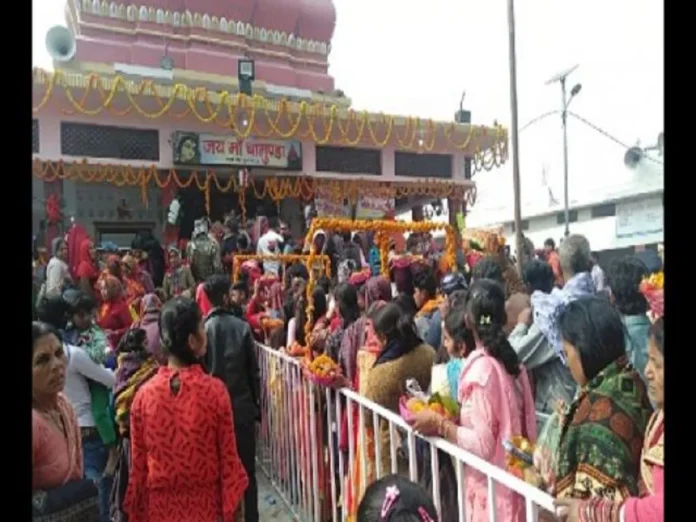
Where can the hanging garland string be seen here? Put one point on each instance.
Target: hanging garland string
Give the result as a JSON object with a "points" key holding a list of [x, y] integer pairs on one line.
{"points": [[382, 229], [266, 118], [297, 187]]}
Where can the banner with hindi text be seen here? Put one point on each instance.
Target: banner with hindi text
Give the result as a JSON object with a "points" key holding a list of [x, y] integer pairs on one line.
{"points": [[191, 148]]}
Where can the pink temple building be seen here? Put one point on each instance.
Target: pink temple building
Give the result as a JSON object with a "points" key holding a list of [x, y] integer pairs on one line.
{"points": [[187, 52]]}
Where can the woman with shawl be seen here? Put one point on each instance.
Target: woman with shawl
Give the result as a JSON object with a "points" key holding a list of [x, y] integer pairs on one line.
{"points": [[74, 238], [57, 271], [112, 267], [591, 448], [265, 303], [114, 315], [359, 351], [150, 308], [133, 281], [57, 458], [348, 312], [135, 367], [87, 271], [178, 280], [649, 505]]}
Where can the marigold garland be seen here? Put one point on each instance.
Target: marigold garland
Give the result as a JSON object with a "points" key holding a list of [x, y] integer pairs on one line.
{"points": [[291, 119], [299, 187], [239, 259], [382, 229]]}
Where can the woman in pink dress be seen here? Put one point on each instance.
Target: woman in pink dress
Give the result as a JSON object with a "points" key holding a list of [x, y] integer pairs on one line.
{"points": [[56, 443], [650, 507], [497, 404]]}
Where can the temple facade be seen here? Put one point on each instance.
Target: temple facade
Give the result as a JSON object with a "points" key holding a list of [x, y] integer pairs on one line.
{"points": [[146, 107]]}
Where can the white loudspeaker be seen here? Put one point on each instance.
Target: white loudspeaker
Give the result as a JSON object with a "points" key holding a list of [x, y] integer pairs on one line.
{"points": [[60, 43]]}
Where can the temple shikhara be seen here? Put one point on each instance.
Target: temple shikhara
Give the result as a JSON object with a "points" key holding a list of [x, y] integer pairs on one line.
{"points": [[144, 107]]}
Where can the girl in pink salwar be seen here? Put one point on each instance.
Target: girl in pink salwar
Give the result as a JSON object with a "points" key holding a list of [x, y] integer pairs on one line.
{"points": [[497, 404]]}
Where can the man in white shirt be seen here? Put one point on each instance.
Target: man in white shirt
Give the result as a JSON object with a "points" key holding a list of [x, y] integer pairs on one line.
{"points": [[269, 244]]}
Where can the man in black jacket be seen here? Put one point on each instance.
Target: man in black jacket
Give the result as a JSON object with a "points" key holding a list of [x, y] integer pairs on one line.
{"points": [[231, 357]]}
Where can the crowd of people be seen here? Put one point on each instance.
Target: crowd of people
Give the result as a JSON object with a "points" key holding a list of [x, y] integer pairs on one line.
{"points": [[147, 391]]}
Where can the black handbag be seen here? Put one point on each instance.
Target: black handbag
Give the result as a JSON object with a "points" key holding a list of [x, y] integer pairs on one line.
{"points": [[75, 501]]}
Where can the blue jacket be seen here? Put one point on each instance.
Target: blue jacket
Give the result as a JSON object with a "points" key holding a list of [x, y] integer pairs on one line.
{"points": [[434, 336]]}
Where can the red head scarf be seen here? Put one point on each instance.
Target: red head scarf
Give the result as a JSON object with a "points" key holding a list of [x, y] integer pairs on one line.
{"points": [[86, 266], [76, 235]]}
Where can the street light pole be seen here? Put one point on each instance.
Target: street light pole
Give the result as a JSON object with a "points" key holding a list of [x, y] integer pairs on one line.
{"points": [[564, 118], [514, 134], [565, 102]]}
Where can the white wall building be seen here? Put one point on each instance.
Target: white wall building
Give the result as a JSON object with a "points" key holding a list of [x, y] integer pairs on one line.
{"points": [[625, 212]]}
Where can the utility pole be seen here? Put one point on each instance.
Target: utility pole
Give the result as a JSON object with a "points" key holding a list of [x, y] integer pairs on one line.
{"points": [[514, 134]]}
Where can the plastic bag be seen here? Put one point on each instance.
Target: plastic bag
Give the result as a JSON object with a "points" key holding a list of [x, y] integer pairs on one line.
{"points": [[546, 452]]}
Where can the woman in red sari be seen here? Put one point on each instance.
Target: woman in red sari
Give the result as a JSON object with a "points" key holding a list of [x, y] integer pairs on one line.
{"points": [[114, 316], [266, 302], [132, 281], [113, 268], [87, 271], [650, 506]]}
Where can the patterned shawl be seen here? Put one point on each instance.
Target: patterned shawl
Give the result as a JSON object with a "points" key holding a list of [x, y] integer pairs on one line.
{"points": [[548, 307], [93, 341], [602, 436], [133, 370]]}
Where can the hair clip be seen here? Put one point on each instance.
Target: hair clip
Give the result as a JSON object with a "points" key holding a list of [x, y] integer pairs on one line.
{"points": [[390, 498], [485, 319], [425, 516]]}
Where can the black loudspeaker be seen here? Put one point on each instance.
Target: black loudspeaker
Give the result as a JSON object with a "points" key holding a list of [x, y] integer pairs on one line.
{"points": [[462, 116]]}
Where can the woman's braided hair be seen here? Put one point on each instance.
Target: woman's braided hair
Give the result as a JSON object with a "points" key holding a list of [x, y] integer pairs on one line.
{"points": [[486, 311]]}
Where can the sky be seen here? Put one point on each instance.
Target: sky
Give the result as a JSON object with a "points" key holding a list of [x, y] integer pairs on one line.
{"points": [[415, 58]]}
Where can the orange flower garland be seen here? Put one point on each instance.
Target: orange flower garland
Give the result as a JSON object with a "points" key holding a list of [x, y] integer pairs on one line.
{"points": [[297, 187], [283, 118], [382, 229]]}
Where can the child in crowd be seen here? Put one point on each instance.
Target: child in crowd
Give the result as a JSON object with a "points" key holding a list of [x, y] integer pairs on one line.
{"points": [[82, 331], [396, 499]]}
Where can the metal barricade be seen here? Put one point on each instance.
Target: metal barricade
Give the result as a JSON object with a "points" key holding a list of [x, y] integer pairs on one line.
{"points": [[298, 449]]}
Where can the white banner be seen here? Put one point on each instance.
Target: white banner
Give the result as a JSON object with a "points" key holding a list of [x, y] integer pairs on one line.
{"points": [[639, 217], [327, 207], [374, 207]]}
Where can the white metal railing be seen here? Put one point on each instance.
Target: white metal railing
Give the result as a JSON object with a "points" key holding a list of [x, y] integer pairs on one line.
{"points": [[298, 448]]}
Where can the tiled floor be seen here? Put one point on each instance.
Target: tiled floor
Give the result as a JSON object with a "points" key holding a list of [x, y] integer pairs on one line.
{"points": [[271, 506]]}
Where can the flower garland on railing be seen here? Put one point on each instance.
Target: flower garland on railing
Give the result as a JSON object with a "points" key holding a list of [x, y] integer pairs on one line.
{"points": [[382, 230], [239, 259], [277, 188], [283, 119]]}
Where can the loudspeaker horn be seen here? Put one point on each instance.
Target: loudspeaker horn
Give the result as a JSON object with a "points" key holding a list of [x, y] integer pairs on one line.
{"points": [[60, 43], [633, 157]]}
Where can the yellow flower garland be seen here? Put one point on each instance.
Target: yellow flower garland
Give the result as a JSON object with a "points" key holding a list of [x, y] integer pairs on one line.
{"points": [[382, 229], [238, 259], [299, 187], [298, 120]]}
